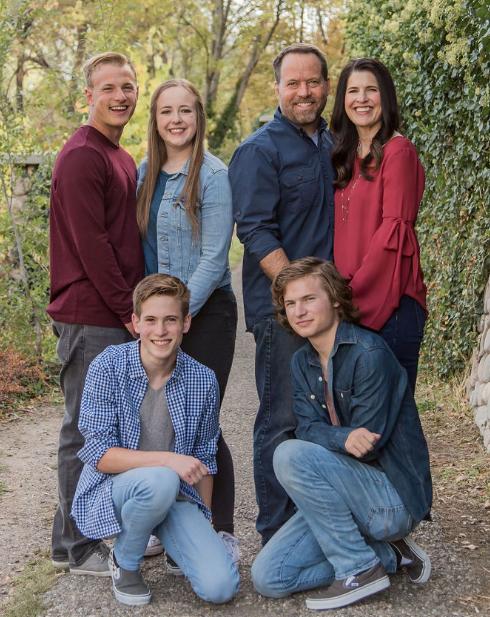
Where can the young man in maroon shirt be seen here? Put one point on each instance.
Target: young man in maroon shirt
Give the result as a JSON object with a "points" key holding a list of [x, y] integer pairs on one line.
{"points": [[96, 261]]}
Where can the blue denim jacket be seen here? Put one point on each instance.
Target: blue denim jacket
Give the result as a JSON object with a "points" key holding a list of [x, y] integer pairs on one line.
{"points": [[370, 390], [200, 261]]}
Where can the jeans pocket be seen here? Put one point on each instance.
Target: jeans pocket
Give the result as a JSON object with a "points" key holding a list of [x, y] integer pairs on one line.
{"points": [[389, 523]]}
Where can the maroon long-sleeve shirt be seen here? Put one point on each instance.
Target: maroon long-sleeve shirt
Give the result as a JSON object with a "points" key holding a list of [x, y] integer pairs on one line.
{"points": [[95, 249]]}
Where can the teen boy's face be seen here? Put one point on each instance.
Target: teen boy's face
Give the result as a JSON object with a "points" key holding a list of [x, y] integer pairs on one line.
{"points": [[161, 326], [309, 310]]}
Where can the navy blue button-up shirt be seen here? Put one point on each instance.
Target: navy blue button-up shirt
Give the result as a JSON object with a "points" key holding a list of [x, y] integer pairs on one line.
{"points": [[370, 389], [282, 185]]}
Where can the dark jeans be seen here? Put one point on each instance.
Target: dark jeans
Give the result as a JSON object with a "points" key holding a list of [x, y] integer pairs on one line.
{"points": [[77, 347], [403, 332], [211, 341], [275, 420]]}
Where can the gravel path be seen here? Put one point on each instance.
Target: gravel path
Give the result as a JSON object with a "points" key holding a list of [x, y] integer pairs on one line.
{"points": [[460, 585]]}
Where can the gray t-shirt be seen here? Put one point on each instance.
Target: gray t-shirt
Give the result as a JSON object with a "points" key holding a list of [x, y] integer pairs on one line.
{"points": [[157, 431]]}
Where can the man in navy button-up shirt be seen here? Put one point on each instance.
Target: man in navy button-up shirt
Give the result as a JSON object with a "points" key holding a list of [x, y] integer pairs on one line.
{"points": [[359, 469], [282, 184]]}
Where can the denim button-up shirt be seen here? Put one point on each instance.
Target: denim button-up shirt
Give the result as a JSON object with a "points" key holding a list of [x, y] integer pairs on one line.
{"points": [[282, 184], [370, 390], [114, 389], [201, 260]]}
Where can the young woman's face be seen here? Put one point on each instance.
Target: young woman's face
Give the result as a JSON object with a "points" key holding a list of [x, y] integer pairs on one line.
{"points": [[363, 101], [176, 118]]}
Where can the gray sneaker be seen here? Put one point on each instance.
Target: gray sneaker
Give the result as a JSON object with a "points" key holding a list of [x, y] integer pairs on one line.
{"points": [[95, 564], [413, 558], [128, 587], [60, 563], [351, 589]]}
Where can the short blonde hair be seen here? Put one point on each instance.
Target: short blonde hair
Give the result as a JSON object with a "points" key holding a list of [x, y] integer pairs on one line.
{"points": [[106, 57], [160, 285]]}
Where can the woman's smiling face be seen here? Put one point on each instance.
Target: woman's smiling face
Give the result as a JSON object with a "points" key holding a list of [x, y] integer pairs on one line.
{"points": [[176, 118], [363, 101]]}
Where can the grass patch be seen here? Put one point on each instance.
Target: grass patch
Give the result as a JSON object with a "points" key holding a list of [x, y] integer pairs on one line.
{"points": [[460, 464], [35, 579], [236, 252]]}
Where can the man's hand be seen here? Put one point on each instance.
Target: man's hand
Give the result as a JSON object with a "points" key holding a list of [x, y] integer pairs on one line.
{"points": [[188, 468], [360, 442], [130, 329]]}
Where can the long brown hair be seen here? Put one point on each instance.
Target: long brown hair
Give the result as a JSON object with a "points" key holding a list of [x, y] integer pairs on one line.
{"points": [[345, 132], [336, 287], [157, 156]]}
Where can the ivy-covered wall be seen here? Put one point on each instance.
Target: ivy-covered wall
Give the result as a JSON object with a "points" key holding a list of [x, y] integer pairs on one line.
{"points": [[439, 54]]}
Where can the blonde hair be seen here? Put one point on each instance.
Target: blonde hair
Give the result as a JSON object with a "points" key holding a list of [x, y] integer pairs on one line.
{"points": [[106, 57], [160, 285], [157, 156]]}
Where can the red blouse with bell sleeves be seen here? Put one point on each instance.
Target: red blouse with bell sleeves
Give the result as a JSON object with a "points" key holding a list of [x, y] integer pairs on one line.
{"points": [[375, 246]]}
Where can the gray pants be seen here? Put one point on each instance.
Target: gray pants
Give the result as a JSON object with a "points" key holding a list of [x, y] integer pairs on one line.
{"points": [[77, 347]]}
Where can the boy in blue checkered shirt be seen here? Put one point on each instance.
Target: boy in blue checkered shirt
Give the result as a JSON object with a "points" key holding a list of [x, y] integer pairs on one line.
{"points": [[149, 415]]}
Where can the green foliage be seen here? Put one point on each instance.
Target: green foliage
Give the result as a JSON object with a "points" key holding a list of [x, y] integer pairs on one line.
{"points": [[20, 316], [439, 54]]}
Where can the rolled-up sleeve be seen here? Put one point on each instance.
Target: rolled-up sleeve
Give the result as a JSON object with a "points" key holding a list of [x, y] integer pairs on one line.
{"points": [[256, 195], [208, 433], [98, 421]]}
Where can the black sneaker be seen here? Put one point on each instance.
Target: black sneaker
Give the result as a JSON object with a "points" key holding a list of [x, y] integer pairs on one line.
{"points": [[128, 587], [351, 589], [172, 567], [414, 559]]}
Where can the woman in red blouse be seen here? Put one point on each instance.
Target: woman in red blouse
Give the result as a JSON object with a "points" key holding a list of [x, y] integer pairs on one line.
{"points": [[380, 183]]}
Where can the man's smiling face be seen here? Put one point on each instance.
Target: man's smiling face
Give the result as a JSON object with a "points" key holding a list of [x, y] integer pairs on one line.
{"points": [[161, 326], [112, 98], [302, 91]]}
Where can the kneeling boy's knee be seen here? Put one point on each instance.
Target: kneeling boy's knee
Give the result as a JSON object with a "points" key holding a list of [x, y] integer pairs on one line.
{"points": [[220, 588], [160, 484], [262, 580]]}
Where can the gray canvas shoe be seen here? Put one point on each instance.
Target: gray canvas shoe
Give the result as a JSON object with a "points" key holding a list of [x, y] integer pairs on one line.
{"points": [[414, 559], [128, 587], [95, 564], [349, 590]]}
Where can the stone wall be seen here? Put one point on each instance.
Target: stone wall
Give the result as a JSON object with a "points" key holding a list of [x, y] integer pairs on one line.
{"points": [[478, 386]]}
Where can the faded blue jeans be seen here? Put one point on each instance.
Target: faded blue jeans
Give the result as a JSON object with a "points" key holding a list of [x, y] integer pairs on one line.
{"points": [[145, 502], [347, 513]]}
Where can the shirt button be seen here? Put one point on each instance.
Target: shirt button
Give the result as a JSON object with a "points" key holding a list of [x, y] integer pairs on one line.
{"points": [[324, 406], [312, 396], [320, 378]]}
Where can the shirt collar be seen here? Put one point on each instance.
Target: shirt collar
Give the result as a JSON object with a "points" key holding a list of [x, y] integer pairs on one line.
{"points": [[345, 335], [137, 370], [322, 126]]}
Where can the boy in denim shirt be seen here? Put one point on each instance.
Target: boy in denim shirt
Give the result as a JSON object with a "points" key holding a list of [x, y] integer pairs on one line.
{"points": [[149, 416], [358, 471]]}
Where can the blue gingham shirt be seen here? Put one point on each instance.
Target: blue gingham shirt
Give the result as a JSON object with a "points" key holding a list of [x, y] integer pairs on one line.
{"points": [[114, 389]]}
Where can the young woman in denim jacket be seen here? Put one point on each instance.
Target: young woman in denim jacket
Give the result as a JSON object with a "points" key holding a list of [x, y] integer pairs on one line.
{"points": [[184, 213]]}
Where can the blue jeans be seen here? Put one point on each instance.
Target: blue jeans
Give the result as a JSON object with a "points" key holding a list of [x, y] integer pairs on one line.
{"points": [[145, 502], [347, 513], [275, 421], [77, 346], [403, 332]]}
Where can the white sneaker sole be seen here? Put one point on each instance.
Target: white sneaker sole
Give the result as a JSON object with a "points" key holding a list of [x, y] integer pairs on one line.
{"points": [[102, 574], [129, 599], [318, 604], [422, 555]]}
